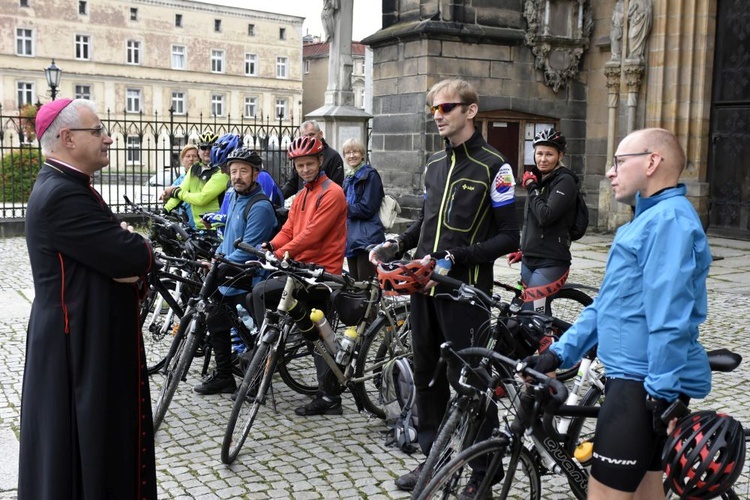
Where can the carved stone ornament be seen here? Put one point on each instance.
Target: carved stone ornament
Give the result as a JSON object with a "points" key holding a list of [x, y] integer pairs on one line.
{"points": [[558, 33]]}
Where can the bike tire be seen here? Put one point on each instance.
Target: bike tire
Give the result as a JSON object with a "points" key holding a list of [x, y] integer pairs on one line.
{"points": [[449, 442], [157, 329], [381, 342], [566, 306], [177, 367], [452, 479], [297, 366], [259, 375]]}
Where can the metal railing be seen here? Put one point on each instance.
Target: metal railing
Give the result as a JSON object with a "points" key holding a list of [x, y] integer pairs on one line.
{"points": [[142, 148]]}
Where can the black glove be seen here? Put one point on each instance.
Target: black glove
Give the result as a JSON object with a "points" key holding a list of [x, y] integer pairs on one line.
{"points": [[544, 363], [658, 407]]}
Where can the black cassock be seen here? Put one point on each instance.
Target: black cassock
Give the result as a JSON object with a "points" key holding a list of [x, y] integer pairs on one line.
{"points": [[86, 427]]}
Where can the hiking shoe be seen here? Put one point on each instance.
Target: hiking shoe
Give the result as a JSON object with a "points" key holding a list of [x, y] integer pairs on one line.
{"points": [[320, 406], [408, 481], [214, 383], [470, 492]]}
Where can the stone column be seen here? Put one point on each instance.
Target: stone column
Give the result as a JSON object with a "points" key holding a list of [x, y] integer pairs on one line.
{"points": [[633, 70]]}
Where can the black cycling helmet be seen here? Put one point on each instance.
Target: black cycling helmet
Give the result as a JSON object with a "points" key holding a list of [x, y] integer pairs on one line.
{"points": [[550, 137], [223, 146], [247, 155], [207, 139], [704, 455]]}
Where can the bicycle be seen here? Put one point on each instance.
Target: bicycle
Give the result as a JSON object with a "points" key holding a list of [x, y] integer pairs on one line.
{"points": [[192, 331], [523, 449], [466, 411], [277, 326]]}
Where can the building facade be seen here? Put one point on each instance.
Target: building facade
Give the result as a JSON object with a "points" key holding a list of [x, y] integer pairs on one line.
{"points": [[315, 69], [150, 57], [594, 69]]}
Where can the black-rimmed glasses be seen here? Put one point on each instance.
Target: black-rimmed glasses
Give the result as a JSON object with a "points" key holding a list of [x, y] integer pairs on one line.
{"points": [[616, 158], [445, 107], [95, 131]]}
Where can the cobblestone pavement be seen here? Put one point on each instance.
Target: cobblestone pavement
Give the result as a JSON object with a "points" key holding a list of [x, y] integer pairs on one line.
{"points": [[333, 457]]}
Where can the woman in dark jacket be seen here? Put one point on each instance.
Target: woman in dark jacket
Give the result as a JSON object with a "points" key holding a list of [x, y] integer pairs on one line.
{"points": [[364, 194], [548, 215]]}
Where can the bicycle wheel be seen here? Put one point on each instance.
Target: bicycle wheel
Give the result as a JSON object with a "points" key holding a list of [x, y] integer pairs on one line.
{"points": [[381, 342], [297, 365], [158, 327], [451, 439], [177, 366], [257, 379], [523, 484], [582, 429], [566, 306]]}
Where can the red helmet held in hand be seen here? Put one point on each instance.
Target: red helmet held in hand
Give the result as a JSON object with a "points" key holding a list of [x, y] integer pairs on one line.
{"points": [[404, 277]]}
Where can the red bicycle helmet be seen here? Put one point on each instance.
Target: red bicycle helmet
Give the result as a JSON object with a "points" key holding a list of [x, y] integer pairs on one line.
{"points": [[704, 455], [403, 277], [305, 146]]}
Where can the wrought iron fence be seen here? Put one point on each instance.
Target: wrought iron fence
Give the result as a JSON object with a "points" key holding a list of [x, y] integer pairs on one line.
{"points": [[144, 155]]}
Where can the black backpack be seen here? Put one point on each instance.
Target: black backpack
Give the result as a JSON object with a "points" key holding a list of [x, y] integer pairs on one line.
{"points": [[581, 221], [282, 213]]}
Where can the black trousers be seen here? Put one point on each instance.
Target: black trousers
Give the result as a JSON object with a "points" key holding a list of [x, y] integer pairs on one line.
{"points": [[360, 266], [267, 294], [434, 321], [219, 325]]}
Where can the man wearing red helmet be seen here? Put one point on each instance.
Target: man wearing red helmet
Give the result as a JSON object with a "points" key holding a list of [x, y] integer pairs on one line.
{"points": [[315, 232]]}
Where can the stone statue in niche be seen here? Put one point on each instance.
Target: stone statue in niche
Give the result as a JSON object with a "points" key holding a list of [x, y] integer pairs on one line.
{"points": [[615, 34], [640, 14], [328, 18]]}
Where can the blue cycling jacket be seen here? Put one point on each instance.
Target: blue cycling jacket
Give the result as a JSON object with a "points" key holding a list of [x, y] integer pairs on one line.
{"points": [[651, 302]]}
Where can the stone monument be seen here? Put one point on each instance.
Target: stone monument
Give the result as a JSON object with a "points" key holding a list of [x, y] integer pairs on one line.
{"points": [[338, 117]]}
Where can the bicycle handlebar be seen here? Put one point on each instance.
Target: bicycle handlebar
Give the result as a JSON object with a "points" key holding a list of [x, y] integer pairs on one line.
{"points": [[465, 292], [158, 218], [290, 266]]}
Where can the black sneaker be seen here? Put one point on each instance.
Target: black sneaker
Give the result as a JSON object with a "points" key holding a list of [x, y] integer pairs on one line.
{"points": [[216, 384], [470, 492], [320, 406], [408, 481]]}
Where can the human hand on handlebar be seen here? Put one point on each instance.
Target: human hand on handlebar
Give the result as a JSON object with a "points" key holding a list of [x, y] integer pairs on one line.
{"points": [[547, 362]]}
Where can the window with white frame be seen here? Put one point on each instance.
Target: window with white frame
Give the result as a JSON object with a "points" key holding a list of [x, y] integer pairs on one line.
{"points": [[307, 66], [133, 100], [217, 104], [178, 102], [83, 91], [24, 42], [280, 108], [133, 52], [281, 67], [133, 149], [251, 107], [251, 64], [217, 61], [83, 47], [25, 93], [179, 59]]}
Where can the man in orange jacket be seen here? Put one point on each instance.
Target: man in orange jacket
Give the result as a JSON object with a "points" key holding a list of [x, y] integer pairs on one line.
{"points": [[314, 232]]}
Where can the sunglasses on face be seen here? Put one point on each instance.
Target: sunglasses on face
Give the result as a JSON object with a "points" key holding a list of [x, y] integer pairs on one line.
{"points": [[204, 148], [445, 107]]}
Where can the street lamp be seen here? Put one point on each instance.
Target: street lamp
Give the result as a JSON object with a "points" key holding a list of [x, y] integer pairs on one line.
{"points": [[53, 75]]}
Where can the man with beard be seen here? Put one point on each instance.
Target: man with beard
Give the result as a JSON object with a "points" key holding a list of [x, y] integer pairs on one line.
{"points": [[86, 429], [254, 228]]}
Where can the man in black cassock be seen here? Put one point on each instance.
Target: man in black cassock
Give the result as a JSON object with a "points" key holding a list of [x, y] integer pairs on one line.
{"points": [[86, 428]]}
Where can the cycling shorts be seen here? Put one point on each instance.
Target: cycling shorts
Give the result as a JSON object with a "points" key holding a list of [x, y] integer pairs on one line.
{"points": [[625, 446]]}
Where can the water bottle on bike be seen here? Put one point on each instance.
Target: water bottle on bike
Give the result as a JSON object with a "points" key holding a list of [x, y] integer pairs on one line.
{"points": [[325, 331]]}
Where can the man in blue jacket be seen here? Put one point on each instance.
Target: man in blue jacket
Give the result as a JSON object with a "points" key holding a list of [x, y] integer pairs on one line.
{"points": [[645, 318], [255, 228]]}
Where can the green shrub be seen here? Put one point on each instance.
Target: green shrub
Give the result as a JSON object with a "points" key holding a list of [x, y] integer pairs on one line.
{"points": [[18, 173]]}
